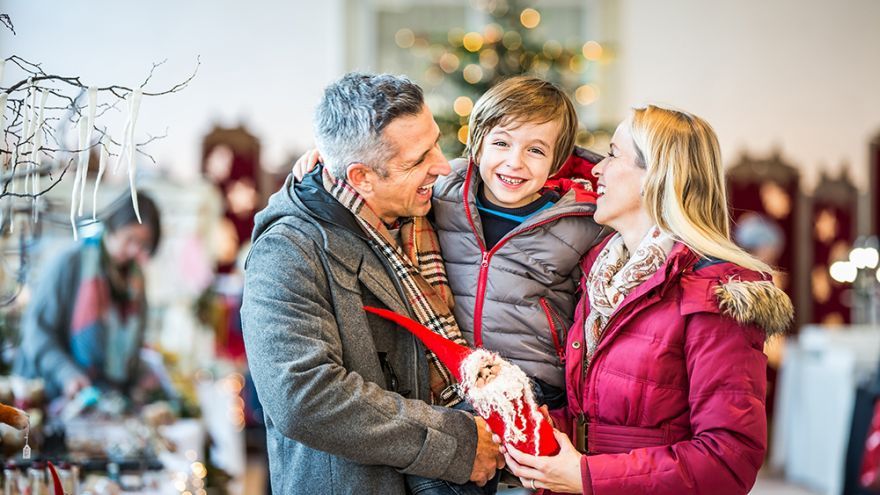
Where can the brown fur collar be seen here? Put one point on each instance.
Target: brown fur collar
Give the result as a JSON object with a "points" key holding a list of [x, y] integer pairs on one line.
{"points": [[759, 302]]}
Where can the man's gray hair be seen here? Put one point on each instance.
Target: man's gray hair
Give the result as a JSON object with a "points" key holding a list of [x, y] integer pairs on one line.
{"points": [[352, 114]]}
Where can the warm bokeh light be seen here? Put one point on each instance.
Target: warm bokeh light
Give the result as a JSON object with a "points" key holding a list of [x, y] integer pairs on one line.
{"points": [[492, 33], [463, 106], [472, 42], [552, 49], [489, 58], [511, 40], [449, 63], [455, 36], [472, 73], [530, 18], [462, 134], [592, 50], [433, 76], [405, 38], [585, 138], [586, 94]]}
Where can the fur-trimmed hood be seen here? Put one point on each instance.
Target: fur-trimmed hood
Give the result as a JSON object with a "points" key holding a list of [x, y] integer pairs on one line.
{"points": [[747, 296], [756, 302]]}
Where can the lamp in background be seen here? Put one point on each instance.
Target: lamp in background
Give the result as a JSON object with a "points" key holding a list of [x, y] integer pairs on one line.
{"points": [[861, 270]]}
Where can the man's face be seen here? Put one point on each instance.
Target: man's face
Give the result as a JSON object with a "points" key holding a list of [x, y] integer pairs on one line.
{"points": [[412, 171]]}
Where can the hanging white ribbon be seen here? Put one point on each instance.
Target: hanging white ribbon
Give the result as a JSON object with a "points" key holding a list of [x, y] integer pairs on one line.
{"points": [[31, 132], [3, 99], [38, 144], [135, 107], [35, 152], [90, 126], [78, 176], [24, 139], [102, 165]]}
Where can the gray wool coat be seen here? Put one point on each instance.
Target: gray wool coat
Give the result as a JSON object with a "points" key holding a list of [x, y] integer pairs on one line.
{"points": [[527, 297], [343, 392]]}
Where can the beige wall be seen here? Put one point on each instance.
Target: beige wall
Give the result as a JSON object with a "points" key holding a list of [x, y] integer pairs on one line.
{"points": [[799, 75]]}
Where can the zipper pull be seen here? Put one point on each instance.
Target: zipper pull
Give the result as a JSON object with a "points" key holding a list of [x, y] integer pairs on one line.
{"points": [[485, 261]]}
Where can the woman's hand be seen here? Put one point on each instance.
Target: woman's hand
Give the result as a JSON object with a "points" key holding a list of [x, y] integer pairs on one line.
{"points": [[545, 411], [305, 164], [559, 473]]}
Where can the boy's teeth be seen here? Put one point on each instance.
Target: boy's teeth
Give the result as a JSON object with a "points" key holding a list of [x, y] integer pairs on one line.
{"points": [[510, 180], [600, 190]]}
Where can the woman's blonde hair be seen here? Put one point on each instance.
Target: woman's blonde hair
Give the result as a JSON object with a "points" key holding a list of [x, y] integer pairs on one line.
{"points": [[523, 99], [684, 191]]}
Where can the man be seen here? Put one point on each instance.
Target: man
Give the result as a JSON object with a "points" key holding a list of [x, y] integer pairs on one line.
{"points": [[347, 396]]}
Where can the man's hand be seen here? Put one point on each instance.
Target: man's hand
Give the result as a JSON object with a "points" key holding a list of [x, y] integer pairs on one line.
{"points": [[489, 457], [305, 164]]}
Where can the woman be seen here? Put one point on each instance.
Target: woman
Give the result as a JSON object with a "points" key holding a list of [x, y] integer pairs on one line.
{"points": [[85, 322], [665, 374]]}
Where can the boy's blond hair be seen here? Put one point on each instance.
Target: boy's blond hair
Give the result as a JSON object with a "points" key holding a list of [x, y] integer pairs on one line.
{"points": [[523, 99]]}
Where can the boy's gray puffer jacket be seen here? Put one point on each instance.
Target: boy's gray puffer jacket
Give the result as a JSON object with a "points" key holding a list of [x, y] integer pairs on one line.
{"points": [[518, 298]]}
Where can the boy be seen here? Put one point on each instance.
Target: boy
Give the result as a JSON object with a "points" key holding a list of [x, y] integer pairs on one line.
{"points": [[511, 244]]}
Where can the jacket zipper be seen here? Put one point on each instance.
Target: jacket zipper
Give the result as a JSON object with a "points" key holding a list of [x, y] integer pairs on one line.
{"points": [[554, 331], [484, 265]]}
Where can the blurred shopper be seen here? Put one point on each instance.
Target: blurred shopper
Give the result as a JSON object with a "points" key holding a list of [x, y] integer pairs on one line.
{"points": [[85, 322]]}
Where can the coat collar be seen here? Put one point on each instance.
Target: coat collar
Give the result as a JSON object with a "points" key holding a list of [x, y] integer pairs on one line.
{"points": [[367, 267]]}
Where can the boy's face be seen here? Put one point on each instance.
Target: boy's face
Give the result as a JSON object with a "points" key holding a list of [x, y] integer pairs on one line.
{"points": [[515, 161]]}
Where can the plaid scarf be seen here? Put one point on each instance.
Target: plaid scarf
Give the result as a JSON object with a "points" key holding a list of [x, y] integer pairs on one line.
{"points": [[615, 274], [419, 268]]}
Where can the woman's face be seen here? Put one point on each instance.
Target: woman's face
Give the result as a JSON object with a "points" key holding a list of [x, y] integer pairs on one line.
{"points": [[620, 181], [129, 243]]}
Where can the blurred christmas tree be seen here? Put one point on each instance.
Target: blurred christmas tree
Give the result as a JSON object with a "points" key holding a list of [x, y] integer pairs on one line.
{"points": [[465, 64]]}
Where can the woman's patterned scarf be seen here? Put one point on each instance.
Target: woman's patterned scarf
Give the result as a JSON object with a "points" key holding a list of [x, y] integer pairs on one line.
{"points": [[615, 273]]}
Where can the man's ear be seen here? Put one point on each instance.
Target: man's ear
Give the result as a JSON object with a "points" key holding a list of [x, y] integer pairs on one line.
{"points": [[360, 176]]}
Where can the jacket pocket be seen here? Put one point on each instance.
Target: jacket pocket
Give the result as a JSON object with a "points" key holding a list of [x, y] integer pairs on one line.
{"points": [[555, 325]]}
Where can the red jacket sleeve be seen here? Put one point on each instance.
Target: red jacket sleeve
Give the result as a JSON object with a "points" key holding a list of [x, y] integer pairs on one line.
{"points": [[727, 372]]}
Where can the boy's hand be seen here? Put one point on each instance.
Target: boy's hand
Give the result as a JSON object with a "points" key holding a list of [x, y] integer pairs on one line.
{"points": [[305, 164]]}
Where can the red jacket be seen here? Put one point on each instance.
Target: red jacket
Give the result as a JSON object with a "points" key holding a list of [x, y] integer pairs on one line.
{"points": [[673, 401]]}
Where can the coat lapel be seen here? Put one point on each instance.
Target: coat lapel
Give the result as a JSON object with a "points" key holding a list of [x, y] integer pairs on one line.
{"points": [[373, 275]]}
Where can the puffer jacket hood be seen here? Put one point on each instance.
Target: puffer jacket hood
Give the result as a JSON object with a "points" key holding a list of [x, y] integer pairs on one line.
{"points": [[307, 200]]}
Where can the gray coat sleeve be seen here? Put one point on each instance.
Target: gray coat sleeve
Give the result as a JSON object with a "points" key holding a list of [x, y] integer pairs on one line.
{"points": [[295, 356], [45, 326]]}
